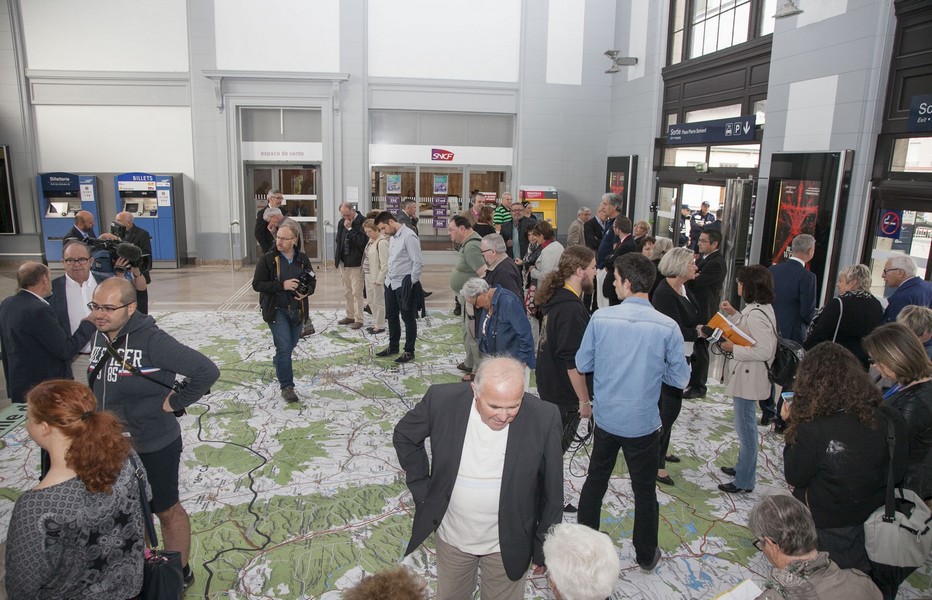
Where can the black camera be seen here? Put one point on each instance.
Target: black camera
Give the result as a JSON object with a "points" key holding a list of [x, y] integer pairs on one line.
{"points": [[307, 283], [117, 230]]}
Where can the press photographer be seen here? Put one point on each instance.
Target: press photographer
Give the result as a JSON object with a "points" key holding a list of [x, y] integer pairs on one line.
{"points": [[113, 258], [124, 228], [284, 279]]}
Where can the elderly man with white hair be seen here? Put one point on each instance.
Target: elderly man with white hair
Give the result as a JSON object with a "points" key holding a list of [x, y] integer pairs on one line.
{"points": [[900, 272], [582, 564]]}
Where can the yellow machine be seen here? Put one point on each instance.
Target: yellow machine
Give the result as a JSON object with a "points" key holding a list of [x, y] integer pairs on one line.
{"points": [[543, 199]]}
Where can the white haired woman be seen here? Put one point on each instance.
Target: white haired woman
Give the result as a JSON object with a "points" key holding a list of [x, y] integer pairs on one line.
{"points": [[848, 317], [582, 563]]}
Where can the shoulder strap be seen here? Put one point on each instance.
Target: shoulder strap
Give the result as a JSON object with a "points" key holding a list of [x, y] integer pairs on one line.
{"points": [[153, 539], [891, 445], [841, 311]]}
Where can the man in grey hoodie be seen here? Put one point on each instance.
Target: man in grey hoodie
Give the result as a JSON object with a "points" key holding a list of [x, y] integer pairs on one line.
{"points": [[136, 384]]}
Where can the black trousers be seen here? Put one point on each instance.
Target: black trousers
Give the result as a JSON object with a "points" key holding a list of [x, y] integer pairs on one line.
{"points": [[700, 365], [670, 403], [392, 313]]}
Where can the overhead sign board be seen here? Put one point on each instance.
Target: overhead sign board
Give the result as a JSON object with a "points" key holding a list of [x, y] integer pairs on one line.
{"points": [[920, 113], [735, 129]]}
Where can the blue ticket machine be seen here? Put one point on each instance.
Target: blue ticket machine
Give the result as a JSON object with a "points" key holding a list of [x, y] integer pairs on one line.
{"points": [[152, 201], [61, 197]]}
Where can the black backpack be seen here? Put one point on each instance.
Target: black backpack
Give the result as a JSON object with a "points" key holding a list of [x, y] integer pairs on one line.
{"points": [[782, 369]]}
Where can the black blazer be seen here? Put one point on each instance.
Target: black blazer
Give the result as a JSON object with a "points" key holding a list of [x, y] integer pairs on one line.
{"points": [[682, 310], [707, 286], [794, 298], [608, 284], [74, 232], [264, 237], [525, 224], [859, 316], [531, 499], [35, 347], [140, 238], [59, 300], [593, 231]]}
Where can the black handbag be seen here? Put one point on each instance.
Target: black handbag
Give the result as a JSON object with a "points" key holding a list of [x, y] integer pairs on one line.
{"points": [[162, 577], [782, 369]]}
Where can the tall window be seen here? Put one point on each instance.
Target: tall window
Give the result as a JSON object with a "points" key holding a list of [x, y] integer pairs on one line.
{"points": [[700, 27]]}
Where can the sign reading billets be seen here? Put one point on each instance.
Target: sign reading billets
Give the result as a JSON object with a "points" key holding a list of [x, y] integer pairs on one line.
{"points": [[735, 129], [920, 113]]}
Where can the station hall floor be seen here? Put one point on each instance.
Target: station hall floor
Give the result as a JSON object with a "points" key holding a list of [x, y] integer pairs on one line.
{"points": [[299, 501]]}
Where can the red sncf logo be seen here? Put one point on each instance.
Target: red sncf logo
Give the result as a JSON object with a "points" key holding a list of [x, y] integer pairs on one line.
{"points": [[440, 154]]}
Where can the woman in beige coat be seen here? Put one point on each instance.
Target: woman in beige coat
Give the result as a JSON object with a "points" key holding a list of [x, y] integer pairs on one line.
{"points": [[375, 267], [749, 382]]}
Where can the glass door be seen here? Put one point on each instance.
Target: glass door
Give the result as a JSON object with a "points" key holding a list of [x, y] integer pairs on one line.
{"points": [[898, 231], [680, 207], [300, 186]]}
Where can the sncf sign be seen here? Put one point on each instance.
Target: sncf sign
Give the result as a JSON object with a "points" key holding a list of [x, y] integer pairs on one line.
{"points": [[441, 154]]}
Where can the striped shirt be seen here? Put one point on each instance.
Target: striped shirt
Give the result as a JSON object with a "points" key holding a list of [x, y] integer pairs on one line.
{"points": [[502, 215]]}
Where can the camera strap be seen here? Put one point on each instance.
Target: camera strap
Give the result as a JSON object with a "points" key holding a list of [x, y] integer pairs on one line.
{"points": [[112, 352]]}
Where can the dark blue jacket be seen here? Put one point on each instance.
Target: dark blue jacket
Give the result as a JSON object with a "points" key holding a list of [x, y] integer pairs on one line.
{"points": [[59, 299], [794, 292], [913, 291], [507, 331]]}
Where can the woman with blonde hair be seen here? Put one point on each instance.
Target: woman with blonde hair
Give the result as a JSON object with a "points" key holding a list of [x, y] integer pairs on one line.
{"points": [[79, 532], [848, 317]]}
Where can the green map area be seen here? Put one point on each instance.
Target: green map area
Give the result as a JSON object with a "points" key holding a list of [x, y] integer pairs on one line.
{"points": [[300, 501]]}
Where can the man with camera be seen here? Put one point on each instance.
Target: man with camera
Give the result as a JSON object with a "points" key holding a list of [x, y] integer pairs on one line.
{"points": [[133, 370], [125, 229], [72, 291]]}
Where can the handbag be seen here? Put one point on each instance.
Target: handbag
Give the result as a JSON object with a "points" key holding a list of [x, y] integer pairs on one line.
{"points": [[782, 369], [898, 533], [162, 577]]}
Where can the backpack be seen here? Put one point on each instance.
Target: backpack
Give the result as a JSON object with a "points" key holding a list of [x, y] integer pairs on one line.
{"points": [[782, 369]]}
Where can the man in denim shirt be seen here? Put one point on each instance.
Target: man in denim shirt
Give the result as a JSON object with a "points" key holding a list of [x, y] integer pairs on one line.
{"points": [[627, 387]]}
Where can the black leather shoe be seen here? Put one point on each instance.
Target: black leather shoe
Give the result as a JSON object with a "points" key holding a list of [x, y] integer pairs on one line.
{"points": [[731, 488], [406, 357], [692, 394], [569, 508], [729, 471], [387, 352], [457, 311], [649, 567], [671, 458], [766, 420], [428, 294], [665, 479]]}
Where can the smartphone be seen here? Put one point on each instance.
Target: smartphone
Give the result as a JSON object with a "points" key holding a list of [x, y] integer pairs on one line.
{"points": [[787, 397]]}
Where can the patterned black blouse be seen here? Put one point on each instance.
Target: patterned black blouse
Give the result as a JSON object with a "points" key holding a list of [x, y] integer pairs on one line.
{"points": [[65, 542]]}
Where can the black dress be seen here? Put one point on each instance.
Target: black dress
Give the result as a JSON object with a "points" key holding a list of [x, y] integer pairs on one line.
{"points": [[860, 314]]}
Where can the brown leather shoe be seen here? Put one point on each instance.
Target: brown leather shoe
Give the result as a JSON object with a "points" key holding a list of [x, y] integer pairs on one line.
{"points": [[345, 321], [356, 325]]}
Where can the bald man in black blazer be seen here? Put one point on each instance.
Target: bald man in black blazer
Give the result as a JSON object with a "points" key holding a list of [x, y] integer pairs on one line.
{"points": [[530, 496]]}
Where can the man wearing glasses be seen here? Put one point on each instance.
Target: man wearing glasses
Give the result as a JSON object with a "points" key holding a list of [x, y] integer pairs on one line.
{"points": [[35, 347], [899, 273], [134, 364], [72, 291]]}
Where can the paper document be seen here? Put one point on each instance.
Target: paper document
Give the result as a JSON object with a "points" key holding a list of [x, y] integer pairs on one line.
{"points": [[746, 590], [728, 330]]}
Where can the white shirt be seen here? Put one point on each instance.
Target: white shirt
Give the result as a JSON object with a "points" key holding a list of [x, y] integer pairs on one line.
{"points": [[471, 521], [76, 298]]}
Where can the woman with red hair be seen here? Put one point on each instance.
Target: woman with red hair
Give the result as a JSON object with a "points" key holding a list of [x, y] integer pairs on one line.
{"points": [[79, 532]]}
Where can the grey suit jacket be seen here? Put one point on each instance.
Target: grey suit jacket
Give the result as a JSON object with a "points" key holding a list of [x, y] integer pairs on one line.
{"points": [[531, 499]]}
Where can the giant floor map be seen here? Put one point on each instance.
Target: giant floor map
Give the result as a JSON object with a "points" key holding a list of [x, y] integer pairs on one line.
{"points": [[300, 501]]}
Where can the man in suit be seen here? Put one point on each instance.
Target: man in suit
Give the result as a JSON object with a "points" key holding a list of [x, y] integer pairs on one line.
{"points": [[493, 485], [575, 235], [83, 227], [707, 288], [621, 231], [515, 231], [407, 216], [35, 346], [594, 231], [264, 237], [610, 206], [136, 236], [70, 295], [899, 272]]}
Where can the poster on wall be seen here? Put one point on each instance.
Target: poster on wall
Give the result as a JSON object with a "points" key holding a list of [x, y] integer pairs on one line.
{"points": [[440, 215], [440, 185], [393, 185], [616, 182], [797, 213]]}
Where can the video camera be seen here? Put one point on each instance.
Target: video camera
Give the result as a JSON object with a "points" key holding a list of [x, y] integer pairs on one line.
{"points": [[106, 252]]}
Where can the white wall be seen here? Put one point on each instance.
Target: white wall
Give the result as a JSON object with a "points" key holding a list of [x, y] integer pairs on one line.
{"points": [[278, 35], [103, 35], [78, 139], [476, 40]]}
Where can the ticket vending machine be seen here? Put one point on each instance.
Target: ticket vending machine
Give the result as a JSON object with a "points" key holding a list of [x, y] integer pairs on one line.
{"points": [[543, 199], [156, 204], [61, 197]]}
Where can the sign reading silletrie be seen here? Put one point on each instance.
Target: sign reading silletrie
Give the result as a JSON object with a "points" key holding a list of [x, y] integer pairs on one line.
{"points": [[734, 129]]}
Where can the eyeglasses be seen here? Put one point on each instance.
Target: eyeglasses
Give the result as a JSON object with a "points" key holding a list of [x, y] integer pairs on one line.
{"points": [[885, 271], [285, 239], [487, 250], [81, 261], [93, 306], [758, 544]]}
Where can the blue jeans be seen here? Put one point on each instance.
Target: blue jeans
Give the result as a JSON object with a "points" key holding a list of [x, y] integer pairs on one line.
{"points": [[641, 457], [746, 428], [286, 331]]}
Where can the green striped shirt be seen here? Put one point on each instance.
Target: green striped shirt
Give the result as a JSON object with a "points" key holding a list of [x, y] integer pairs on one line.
{"points": [[502, 215]]}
